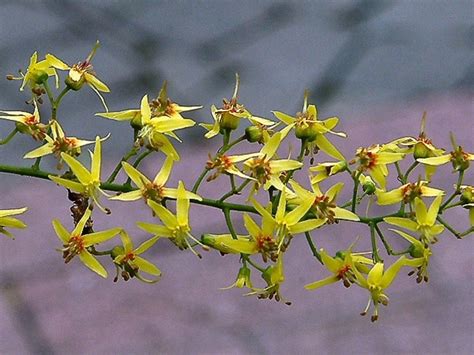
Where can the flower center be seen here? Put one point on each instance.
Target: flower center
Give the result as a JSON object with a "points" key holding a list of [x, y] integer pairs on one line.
{"points": [[74, 246], [153, 192], [323, 207], [64, 144]]}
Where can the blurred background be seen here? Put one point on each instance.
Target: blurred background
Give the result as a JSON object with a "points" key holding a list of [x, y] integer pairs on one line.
{"points": [[376, 64]]}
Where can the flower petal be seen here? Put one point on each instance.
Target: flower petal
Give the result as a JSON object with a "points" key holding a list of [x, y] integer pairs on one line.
{"points": [[92, 263], [306, 226], [164, 173], [442, 159], [326, 146], [82, 174], [146, 266], [146, 245], [320, 283], [136, 176], [156, 229], [61, 232], [100, 237], [402, 222]]}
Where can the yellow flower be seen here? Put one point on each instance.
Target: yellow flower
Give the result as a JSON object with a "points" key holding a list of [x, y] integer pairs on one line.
{"points": [[308, 127], [406, 193], [27, 123], [421, 254], [88, 183], [266, 171], [377, 282], [324, 205], [225, 164], [151, 190], [163, 106], [37, 72], [425, 222], [458, 157], [6, 221], [274, 276], [58, 144], [228, 117], [152, 128], [81, 73], [128, 260], [242, 280], [374, 160], [325, 170], [287, 224], [341, 266], [176, 227], [76, 243]]}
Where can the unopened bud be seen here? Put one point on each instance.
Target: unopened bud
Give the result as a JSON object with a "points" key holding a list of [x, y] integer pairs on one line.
{"points": [[421, 151], [253, 134], [368, 187], [229, 121]]}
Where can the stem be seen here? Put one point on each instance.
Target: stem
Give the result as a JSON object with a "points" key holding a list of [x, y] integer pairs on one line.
{"points": [[49, 93], [387, 246], [256, 266], [375, 253], [235, 191], [448, 227], [354, 192], [399, 172], [455, 193], [228, 221], [36, 165], [312, 247], [9, 137], [410, 169], [127, 156], [57, 102], [199, 180]]}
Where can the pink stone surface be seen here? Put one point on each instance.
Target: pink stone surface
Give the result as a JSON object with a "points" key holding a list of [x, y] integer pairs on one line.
{"points": [[76, 312]]}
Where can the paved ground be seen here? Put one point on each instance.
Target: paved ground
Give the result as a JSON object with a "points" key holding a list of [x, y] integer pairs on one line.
{"points": [[378, 65]]}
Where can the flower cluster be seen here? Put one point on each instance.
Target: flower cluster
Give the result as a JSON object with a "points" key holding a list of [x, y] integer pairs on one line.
{"points": [[278, 210]]}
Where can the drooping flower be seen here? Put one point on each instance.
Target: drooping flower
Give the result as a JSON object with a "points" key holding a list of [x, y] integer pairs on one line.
{"points": [[406, 193], [308, 127], [458, 158], [242, 280], [425, 220], [27, 123], [151, 190], [323, 205], [176, 227], [377, 282], [274, 276], [228, 116], [36, 73], [81, 73], [420, 253], [6, 221], [374, 160], [325, 170], [77, 243], [341, 266], [128, 259], [88, 183]]}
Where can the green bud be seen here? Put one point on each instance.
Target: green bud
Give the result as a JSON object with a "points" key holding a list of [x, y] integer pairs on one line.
{"points": [[74, 84], [415, 251], [22, 128], [39, 76], [467, 196], [136, 122], [421, 151], [116, 251], [229, 121], [243, 278], [253, 134], [368, 187], [306, 132]]}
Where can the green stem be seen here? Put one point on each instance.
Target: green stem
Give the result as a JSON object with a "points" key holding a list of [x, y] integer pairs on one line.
{"points": [[456, 192], [127, 156], [9, 137], [199, 179], [399, 172], [354, 191], [312, 247], [37, 163], [449, 228], [228, 221], [375, 253], [49, 93], [387, 246], [235, 191], [255, 265], [410, 169], [57, 102]]}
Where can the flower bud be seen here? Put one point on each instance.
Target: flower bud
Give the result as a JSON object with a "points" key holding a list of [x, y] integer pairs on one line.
{"points": [[253, 134], [116, 251], [467, 195], [75, 80], [229, 121], [243, 278], [306, 132], [421, 151], [416, 250], [368, 187]]}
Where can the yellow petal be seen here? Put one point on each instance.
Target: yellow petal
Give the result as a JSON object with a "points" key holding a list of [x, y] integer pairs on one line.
{"points": [[306, 226], [82, 174], [92, 263], [136, 176], [251, 226], [326, 146], [402, 222], [61, 232], [145, 110], [128, 196], [287, 119], [342, 213], [442, 159], [72, 185], [96, 83], [146, 266], [126, 242], [96, 159], [421, 212], [165, 171], [182, 206], [12, 212], [146, 245], [166, 216], [81, 224], [56, 62], [270, 148], [433, 210], [320, 283], [160, 231], [100, 237], [120, 115]]}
